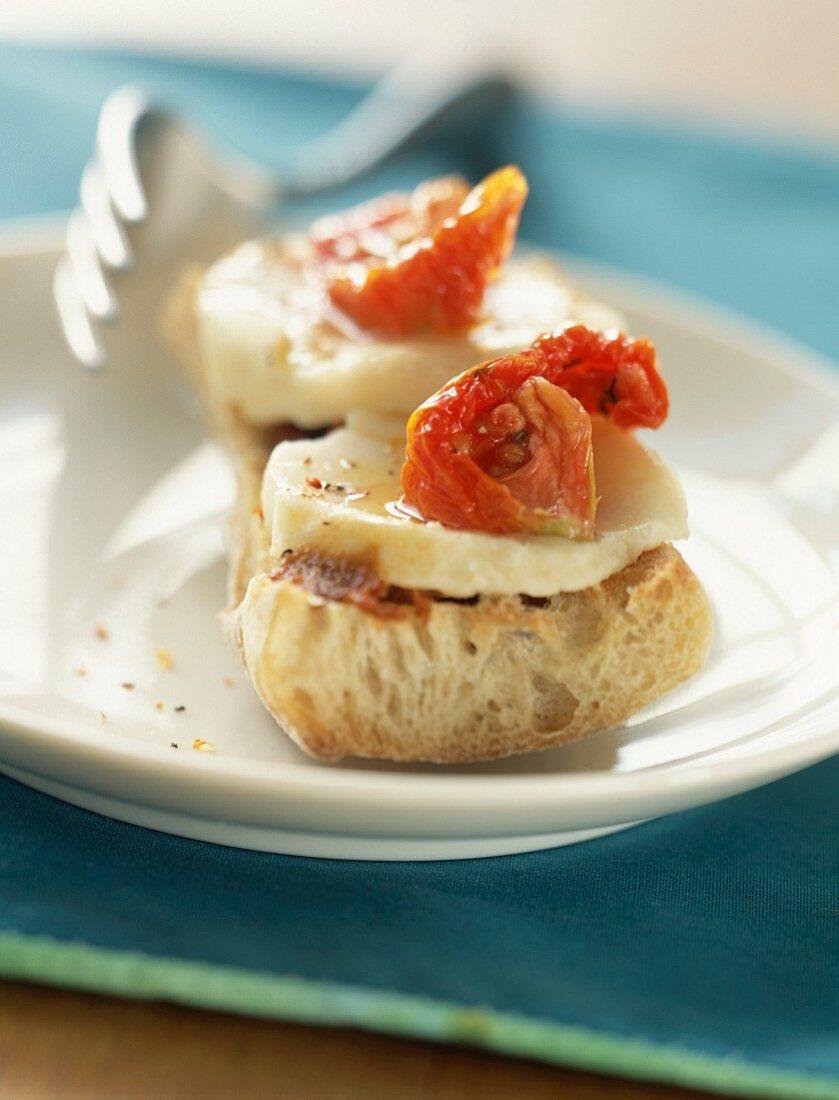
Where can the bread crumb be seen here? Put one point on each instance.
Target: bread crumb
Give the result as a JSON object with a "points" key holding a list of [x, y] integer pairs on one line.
{"points": [[127, 685], [80, 671], [228, 681], [101, 632], [200, 745], [164, 659], [103, 716], [159, 705]]}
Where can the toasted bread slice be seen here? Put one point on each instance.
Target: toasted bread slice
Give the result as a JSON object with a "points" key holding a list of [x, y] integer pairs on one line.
{"points": [[420, 677], [450, 682]]}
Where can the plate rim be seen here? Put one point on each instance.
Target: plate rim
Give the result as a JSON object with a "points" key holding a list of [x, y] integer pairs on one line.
{"points": [[25, 237]]}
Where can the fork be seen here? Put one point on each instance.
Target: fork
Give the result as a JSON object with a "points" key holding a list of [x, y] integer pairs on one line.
{"points": [[154, 197]]}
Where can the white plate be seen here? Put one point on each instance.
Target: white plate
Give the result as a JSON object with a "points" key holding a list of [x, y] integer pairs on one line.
{"points": [[111, 509]]}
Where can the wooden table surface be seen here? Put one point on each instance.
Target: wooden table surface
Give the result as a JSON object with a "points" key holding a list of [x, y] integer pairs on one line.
{"points": [[56, 1044]]}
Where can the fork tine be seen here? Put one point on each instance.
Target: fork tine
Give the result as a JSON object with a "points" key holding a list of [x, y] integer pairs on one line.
{"points": [[106, 229], [74, 318], [116, 145], [94, 288]]}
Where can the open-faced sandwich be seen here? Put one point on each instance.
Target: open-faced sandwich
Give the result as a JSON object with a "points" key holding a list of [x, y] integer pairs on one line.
{"points": [[495, 577]]}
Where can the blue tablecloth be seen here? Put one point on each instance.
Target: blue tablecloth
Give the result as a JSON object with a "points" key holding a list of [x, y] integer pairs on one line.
{"points": [[702, 949]]}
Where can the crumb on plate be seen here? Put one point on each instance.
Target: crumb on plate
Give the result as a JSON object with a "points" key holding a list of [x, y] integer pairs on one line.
{"points": [[164, 658], [200, 745]]}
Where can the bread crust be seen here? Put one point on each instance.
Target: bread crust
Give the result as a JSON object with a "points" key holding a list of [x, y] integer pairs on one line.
{"points": [[452, 682], [445, 681]]}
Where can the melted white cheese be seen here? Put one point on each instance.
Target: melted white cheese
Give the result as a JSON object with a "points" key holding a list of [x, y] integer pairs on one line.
{"points": [[273, 347], [354, 513]]}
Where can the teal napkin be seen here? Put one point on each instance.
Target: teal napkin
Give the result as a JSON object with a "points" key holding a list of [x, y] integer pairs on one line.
{"points": [[702, 949]]}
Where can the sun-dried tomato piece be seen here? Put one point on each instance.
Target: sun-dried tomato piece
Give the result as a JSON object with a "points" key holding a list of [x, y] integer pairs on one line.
{"points": [[506, 446], [421, 263], [612, 375], [376, 230]]}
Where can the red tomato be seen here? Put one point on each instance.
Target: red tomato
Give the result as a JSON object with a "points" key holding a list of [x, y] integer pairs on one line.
{"points": [[421, 263], [612, 375], [376, 230], [506, 446]]}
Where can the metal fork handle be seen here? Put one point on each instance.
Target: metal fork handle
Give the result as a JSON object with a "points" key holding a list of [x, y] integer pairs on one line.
{"points": [[406, 108]]}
